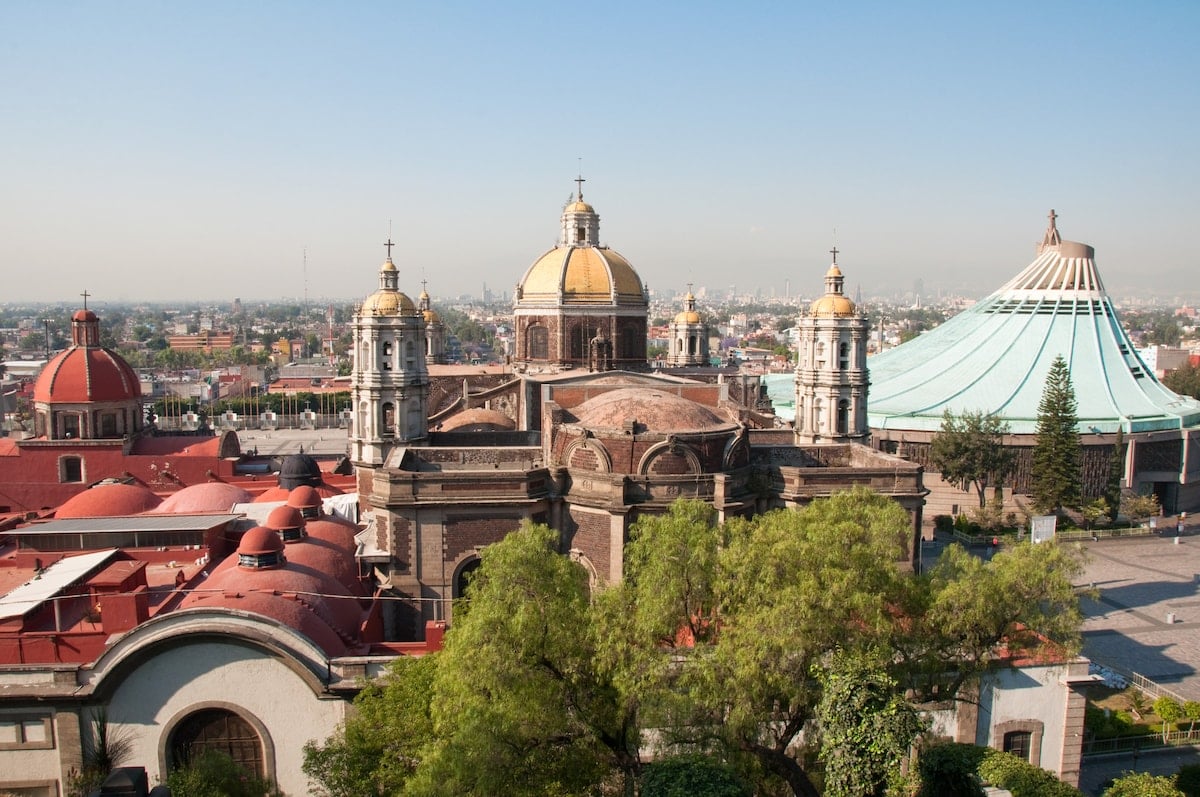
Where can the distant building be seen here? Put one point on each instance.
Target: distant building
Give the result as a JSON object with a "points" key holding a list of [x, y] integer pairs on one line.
{"points": [[994, 357], [831, 367], [688, 335]]}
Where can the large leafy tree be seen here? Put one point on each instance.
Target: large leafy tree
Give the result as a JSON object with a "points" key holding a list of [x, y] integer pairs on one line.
{"points": [[969, 451], [786, 647], [522, 707], [377, 749], [1057, 456]]}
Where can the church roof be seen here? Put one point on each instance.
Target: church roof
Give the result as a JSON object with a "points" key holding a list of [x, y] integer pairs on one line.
{"points": [[995, 356], [86, 371], [109, 500], [582, 275], [651, 411], [579, 271]]}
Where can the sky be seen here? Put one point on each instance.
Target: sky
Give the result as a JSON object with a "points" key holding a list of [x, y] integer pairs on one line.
{"points": [[159, 151]]}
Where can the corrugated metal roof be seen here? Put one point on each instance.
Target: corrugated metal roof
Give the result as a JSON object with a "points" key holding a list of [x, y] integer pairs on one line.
{"points": [[50, 582], [995, 356], [135, 523]]}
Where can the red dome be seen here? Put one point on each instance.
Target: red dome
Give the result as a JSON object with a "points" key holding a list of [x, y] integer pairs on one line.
{"points": [[109, 500], [327, 558], [84, 374], [304, 497], [259, 541], [284, 517], [335, 530], [281, 493], [282, 609], [207, 497]]}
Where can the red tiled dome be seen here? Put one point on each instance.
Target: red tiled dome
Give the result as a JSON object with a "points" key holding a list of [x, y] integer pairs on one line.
{"points": [[82, 374], [653, 410], [284, 517], [325, 557], [283, 609], [304, 497], [335, 530], [109, 500], [207, 497], [259, 541], [478, 419]]}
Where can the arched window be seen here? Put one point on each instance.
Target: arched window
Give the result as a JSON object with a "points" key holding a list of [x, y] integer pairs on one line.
{"points": [[389, 418], [217, 729], [843, 417], [843, 356]]}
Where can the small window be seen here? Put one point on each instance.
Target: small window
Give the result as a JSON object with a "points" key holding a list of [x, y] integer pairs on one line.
{"points": [[72, 469], [24, 731], [108, 424], [1019, 743]]}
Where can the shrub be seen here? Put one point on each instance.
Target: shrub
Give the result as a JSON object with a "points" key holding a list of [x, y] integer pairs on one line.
{"points": [[943, 523], [1022, 778], [692, 776]]}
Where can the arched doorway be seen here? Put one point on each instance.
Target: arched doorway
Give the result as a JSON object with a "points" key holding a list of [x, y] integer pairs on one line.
{"points": [[220, 730], [463, 579]]}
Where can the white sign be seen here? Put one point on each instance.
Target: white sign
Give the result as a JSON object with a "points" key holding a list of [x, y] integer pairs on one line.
{"points": [[1041, 528]]}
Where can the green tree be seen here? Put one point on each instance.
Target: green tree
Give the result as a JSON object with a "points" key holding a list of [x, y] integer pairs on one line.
{"points": [[1191, 710], [1057, 456], [378, 747], [1116, 473], [969, 451], [1184, 380], [1169, 711], [1093, 511], [866, 726], [1140, 507], [521, 707], [1142, 784]]}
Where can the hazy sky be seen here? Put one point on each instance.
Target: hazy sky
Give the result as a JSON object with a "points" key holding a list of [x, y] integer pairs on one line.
{"points": [[169, 150]]}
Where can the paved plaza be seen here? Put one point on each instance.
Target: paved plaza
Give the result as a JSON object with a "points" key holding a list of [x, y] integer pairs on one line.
{"points": [[1146, 617]]}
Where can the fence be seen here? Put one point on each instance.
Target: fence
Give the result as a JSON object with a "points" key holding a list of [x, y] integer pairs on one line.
{"points": [[1134, 744]]}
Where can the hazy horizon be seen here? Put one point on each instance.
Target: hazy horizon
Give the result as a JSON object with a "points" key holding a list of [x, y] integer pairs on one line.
{"points": [[213, 150]]}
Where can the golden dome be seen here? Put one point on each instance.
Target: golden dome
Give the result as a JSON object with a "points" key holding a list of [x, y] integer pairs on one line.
{"points": [[579, 206], [431, 317], [833, 271], [832, 305], [385, 302], [687, 317], [582, 275]]}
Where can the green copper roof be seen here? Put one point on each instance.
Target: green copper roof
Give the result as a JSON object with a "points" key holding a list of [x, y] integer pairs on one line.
{"points": [[995, 356]]}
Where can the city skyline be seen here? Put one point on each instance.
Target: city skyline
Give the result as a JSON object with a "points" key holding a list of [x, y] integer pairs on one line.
{"points": [[268, 151]]}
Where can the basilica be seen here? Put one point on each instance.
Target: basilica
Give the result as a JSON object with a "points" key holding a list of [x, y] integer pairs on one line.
{"points": [[580, 434]]}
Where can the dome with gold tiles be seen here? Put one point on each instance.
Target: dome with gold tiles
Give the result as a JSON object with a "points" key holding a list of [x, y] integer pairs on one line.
{"points": [[834, 304], [581, 304], [579, 270], [388, 300]]}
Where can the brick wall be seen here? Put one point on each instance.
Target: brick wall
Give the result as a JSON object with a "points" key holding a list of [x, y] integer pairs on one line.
{"points": [[465, 533]]}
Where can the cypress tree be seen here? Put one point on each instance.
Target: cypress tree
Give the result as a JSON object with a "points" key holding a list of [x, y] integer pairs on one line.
{"points": [[1057, 456], [1116, 469]]}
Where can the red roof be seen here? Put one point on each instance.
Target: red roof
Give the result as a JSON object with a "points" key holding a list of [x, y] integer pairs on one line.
{"points": [[109, 500], [86, 373]]}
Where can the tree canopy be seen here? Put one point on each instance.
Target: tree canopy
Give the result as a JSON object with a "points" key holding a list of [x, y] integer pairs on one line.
{"points": [[969, 451], [723, 642]]}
